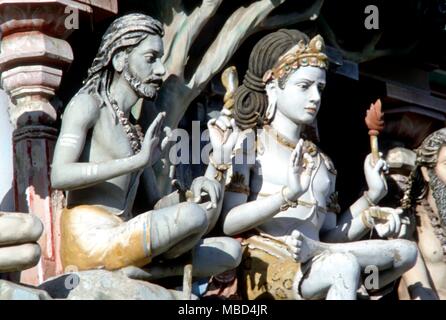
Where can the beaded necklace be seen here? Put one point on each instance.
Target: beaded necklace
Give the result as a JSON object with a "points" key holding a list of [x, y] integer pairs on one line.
{"points": [[133, 132]]}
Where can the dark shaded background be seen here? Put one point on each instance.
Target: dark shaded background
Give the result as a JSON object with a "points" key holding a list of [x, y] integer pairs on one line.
{"points": [[343, 135]]}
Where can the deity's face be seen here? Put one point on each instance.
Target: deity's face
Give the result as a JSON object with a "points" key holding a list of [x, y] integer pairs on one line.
{"points": [[144, 70], [300, 98]]}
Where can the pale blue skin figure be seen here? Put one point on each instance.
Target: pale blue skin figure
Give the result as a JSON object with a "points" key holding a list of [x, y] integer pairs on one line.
{"points": [[337, 274]]}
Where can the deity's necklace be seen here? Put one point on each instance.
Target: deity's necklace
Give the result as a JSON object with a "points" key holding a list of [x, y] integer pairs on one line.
{"points": [[133, 132], [309, 146], [280, 138]]}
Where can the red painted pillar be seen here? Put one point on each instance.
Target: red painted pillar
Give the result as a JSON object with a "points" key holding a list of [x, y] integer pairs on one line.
{"points": [[33, 57]]}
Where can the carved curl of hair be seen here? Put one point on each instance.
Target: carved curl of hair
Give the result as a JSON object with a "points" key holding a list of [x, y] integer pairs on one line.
{"points": [[427, 156], [250, 98], [124, 33]]}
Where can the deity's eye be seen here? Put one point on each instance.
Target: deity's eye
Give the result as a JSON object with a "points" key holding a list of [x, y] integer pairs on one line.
{"points": [[150, 58], [321, 87], [303, 85]]}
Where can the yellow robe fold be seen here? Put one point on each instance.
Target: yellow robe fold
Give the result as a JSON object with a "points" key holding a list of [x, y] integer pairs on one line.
{"points": [[93, 238]]}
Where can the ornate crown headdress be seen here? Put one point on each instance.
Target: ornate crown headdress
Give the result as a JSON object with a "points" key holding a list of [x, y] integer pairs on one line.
{"points": [[300, 55]]}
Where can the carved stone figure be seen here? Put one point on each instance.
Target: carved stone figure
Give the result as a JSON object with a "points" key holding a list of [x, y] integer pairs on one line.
{"points": [[19, 250], [19, 233], [425, 199], [101, 157], [281, 195]]}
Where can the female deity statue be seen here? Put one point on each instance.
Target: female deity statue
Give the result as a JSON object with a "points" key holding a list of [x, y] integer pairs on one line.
{"points": [[281, 197]]}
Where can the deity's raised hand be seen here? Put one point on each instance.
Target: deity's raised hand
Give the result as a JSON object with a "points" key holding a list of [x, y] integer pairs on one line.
{"points": [[375, 178], [151, 141], [223, 134], [300, 168]]}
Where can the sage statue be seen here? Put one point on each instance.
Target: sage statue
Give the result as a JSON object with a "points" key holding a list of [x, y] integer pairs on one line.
{"points": [[425, 200], [281, 198], [101, 157]]}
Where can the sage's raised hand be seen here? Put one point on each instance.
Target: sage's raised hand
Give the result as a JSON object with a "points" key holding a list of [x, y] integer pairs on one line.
{"points": [[151, 141], [162, 149]]}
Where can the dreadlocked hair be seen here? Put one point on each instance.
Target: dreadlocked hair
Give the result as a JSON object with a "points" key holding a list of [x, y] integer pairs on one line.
{"points": [[416, 189], [124, 33], [427, 156]]}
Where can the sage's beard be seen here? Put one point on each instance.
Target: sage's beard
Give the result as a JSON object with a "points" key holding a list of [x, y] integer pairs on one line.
{"points": [[438, 188], [142, 87]]}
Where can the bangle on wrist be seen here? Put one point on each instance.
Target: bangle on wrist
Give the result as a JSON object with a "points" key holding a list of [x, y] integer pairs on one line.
{"points": [[220, 168], [369, 201], [365, 220], [288, 203]]}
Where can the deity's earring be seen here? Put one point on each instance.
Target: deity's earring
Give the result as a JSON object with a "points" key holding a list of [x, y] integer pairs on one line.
{"points": [[272, 102]]}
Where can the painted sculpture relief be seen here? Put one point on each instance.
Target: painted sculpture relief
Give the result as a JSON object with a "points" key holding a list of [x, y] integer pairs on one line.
{"points": [[260, 215]]}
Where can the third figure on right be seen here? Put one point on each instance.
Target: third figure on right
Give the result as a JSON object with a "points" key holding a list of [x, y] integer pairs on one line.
{"points": [[426, 200]]}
